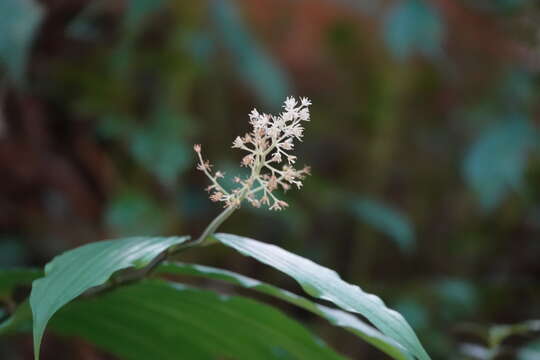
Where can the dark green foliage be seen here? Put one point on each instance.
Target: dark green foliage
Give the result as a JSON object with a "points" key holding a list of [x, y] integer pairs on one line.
{"points": [[162, 320]]}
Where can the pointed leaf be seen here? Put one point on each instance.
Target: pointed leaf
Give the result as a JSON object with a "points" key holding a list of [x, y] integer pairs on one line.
{"points": [[334, 316], [70, 274], [159, 320], [326, 284]]}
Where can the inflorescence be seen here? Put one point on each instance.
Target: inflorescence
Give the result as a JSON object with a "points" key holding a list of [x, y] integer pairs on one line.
{"points": [[268, 144]]}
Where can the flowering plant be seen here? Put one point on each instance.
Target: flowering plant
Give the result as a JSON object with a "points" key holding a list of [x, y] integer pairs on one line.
{"points": [[268, 145], [96, 268]]}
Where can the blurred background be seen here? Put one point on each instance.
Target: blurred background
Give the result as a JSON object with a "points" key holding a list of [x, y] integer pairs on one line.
{"points": [[423, 144]]}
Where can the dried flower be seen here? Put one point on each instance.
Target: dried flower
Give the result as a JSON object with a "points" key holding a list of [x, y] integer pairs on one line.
{"points": [[268, 144]]}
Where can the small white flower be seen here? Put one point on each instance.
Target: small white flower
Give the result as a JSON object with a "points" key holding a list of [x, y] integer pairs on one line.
{"points": [[238, 142], [304, 114], [271, 139], [290, 103], [305, 101], [276, 157], [254, 114]]}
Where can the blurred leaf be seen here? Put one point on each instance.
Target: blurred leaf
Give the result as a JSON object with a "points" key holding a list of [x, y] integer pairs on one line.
{"points": [[458, 297], [496, 162], [83, 27], [72, 273], [136, 13], [256, 67], [19, 322], [200, 46], [114, 126], [530, 352], [326, 284], [133, 212], [477, 352], [498, 333], [159, 146], [159, 320], [334, 316], [10, 278], [19, 20], [412, 26], [414, 312], [516, 89], [12, 252], [368, 7], [387, 220], [498, 5]]}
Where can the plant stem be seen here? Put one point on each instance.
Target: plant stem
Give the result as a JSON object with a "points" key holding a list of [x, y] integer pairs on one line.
{"points": [[205, 237]]}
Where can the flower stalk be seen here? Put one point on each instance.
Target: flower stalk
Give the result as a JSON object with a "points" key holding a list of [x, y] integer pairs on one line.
{"points": [[268, 144]]}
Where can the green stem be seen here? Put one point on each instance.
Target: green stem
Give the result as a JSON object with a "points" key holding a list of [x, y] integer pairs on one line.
{"points": [[205, 237]]}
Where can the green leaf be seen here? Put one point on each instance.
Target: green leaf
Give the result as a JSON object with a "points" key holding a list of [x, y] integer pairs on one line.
{"points": [[334, 316], [10, 278], [499, 333], [530, 351], [70, 274], [255, 66], [159, 320], [496, 162], [387, 220], [19, 321], [133, 212], [413, 26], [19, 20], [160, 145], [326, 284]]}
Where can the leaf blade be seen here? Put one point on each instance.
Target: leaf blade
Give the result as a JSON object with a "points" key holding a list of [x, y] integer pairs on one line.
{"points": [[70, 274], [158, 319], [334, 316], [326, 284]]}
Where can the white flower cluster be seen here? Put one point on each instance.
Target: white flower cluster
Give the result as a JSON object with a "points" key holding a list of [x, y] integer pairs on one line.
{"points": [[268, 144]]}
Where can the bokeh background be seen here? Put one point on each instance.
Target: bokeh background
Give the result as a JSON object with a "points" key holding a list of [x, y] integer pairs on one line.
{"points": [[423, 145]]}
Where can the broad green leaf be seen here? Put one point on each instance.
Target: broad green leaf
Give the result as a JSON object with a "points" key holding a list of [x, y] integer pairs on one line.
{"points": [[159, 320], [18, 22], [387, 220], [10, 278], [70, 274], [255, 66], [495, 164], [326, 284], [334, 316], [413, 26]]}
